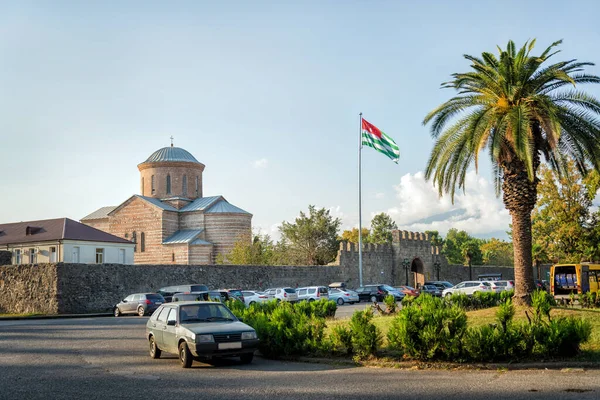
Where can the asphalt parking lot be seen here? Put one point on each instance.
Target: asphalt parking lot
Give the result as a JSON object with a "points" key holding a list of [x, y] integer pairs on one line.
{"points": [[104, 358]]}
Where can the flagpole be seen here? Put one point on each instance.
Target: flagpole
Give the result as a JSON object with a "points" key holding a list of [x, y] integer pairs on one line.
{"points": [[360, 271]]}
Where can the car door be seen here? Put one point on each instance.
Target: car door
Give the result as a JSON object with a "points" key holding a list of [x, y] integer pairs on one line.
{"points": [[159, 325], [459, 288], [128, 304], [169, 339]]}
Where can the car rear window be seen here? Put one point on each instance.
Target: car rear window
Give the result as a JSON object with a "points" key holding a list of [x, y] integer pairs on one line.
{"points": [[154, 297], [486, 283], [198, 288], [289, 290], [500, 283], [322, 290]]}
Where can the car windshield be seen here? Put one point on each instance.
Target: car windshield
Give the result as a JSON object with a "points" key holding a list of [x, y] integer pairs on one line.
{"points": [[235, 292], [205, 313], [289, 290], [447, 284], [386, 287], [486, 283]]}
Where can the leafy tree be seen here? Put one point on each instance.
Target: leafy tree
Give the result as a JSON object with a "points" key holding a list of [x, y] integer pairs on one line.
{"points": [[563, 224], [382, 226], [352, 236], [519, 110], [452, 247], [496, 252], [312, 238], [435, 238], [250, 250]]}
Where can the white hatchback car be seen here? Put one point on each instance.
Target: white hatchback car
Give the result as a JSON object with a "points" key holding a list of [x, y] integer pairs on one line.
{"points": [[468, 288], [312, 293], [251, 297], [282, 294]]}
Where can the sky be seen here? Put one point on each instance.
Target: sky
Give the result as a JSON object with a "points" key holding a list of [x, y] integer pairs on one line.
{"points": [[266, 94]]}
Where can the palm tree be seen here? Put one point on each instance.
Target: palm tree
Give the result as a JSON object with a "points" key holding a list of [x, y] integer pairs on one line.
{"points": [[518, 108]]}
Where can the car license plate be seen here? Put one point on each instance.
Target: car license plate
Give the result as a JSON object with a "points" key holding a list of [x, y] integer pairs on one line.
{"points": [[232, 345], [158, 302]]}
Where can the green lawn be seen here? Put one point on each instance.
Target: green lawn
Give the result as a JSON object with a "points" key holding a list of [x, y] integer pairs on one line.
{"points": [[590, 350]]}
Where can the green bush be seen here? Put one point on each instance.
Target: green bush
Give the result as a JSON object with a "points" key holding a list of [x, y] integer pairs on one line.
{"points": [[429, 329], [366, 338], [390, 303], [562, 337], [341, 339]]}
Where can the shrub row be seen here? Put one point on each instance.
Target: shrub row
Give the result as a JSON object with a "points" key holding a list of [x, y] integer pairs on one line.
{"points": [[433, 329], [477, 301]]}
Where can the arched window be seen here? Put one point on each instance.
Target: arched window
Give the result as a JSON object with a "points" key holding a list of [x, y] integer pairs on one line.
{"points": [[184, 185], [173, 257], [197, 186], [142, 242], [134, 240], [142, 186], [168, 184], [152, 183]]}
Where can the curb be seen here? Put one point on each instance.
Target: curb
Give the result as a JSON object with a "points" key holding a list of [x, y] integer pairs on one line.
{"points": [[54, 316]]}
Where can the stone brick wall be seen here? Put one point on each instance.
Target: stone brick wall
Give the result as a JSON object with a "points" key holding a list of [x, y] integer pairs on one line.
{"points": [[5, 257], [28, 289], [377, 263], [224, 229], [176, 170]]}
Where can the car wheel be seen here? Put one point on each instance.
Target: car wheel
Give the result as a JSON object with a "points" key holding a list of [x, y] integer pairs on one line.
{"points": [[311, 300], [340, 301], [154, 350], [117, 312], [247, 358], [373, 299], [185, 357], [252, 302], [448, 294], [141, 311]]}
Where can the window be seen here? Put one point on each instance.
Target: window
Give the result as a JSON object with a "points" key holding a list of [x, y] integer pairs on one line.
{"points": [[75, 255], [137, 297], [197, 186], [126, 235], [32, 256], [173, 257], [18, 256], [152, 183], [142, 242], [121, 256], [52, 254], [142, 186], [134, 240], [168, 184], [163, 315], [184, 185], [99, 256], [172, 315]]}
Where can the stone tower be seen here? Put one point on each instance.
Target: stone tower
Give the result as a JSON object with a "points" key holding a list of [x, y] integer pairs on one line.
{"points": [[172, 174]]}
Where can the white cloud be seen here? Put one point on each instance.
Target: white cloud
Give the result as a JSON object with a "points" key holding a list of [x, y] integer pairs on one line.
{"points": [[477, 211], [260, 164]]}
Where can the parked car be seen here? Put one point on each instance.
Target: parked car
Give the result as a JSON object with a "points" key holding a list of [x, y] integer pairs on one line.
{"points": [[377, 293], [237, 293], [468, 288], [343, 296], [251, 297], [282, 294], [432, 290], [440, 284], [199, 329], [168, 291], [408, 290], [500, 286], [312, 293], [212, 295], [138, 303]]}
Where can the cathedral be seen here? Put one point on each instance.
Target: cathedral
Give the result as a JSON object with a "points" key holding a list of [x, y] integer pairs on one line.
{"points": [[171, 222]]}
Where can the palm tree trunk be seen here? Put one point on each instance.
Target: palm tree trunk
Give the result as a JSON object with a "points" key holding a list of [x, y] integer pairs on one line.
{"points": [[520, 195]]}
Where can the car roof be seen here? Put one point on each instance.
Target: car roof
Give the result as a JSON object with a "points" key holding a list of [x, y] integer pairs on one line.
{"points": [[188, 303]]}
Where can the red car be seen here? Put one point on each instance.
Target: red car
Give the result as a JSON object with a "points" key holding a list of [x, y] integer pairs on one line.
{"points": [[408, 291]]}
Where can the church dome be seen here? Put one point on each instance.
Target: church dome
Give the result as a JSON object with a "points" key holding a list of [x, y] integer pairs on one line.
{"points": [[169, 154]]}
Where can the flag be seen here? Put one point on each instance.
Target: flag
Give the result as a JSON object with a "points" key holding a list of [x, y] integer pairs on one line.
{"points": [[375, 138]]}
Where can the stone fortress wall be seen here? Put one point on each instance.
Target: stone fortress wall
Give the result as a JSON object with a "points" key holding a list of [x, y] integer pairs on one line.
{"points": [[80, 288]]}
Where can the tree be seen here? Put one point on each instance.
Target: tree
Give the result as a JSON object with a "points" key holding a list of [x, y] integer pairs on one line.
{"points": [[470, 250], [562, 222], [250, 250], [452, 248], [381, 228], [518, 110], [435, 238], [352, 236], [312, 239], [496, 252]]}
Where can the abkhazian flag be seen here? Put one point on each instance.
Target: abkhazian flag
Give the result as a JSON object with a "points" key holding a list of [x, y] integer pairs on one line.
{"points": [[375, 138]]}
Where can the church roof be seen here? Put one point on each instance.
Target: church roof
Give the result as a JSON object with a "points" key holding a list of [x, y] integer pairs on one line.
{"points": [[53, 229], [225, 207], [100, 213], [183, 236], [157, 203], [201, 203], [167, 154]]}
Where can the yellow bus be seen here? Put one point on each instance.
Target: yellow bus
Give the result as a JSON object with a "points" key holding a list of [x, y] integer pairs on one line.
{"points": [[574, 278]]}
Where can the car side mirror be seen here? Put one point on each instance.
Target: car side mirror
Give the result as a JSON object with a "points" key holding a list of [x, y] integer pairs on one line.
{"points": [[171, 322], [124, 300]]}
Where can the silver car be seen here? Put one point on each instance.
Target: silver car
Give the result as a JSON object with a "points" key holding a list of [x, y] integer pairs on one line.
{"points": [[342, 296], [199, 329]]}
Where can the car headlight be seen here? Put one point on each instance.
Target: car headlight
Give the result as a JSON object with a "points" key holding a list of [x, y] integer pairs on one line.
{"points": [[249, 335], [204, 339]]}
